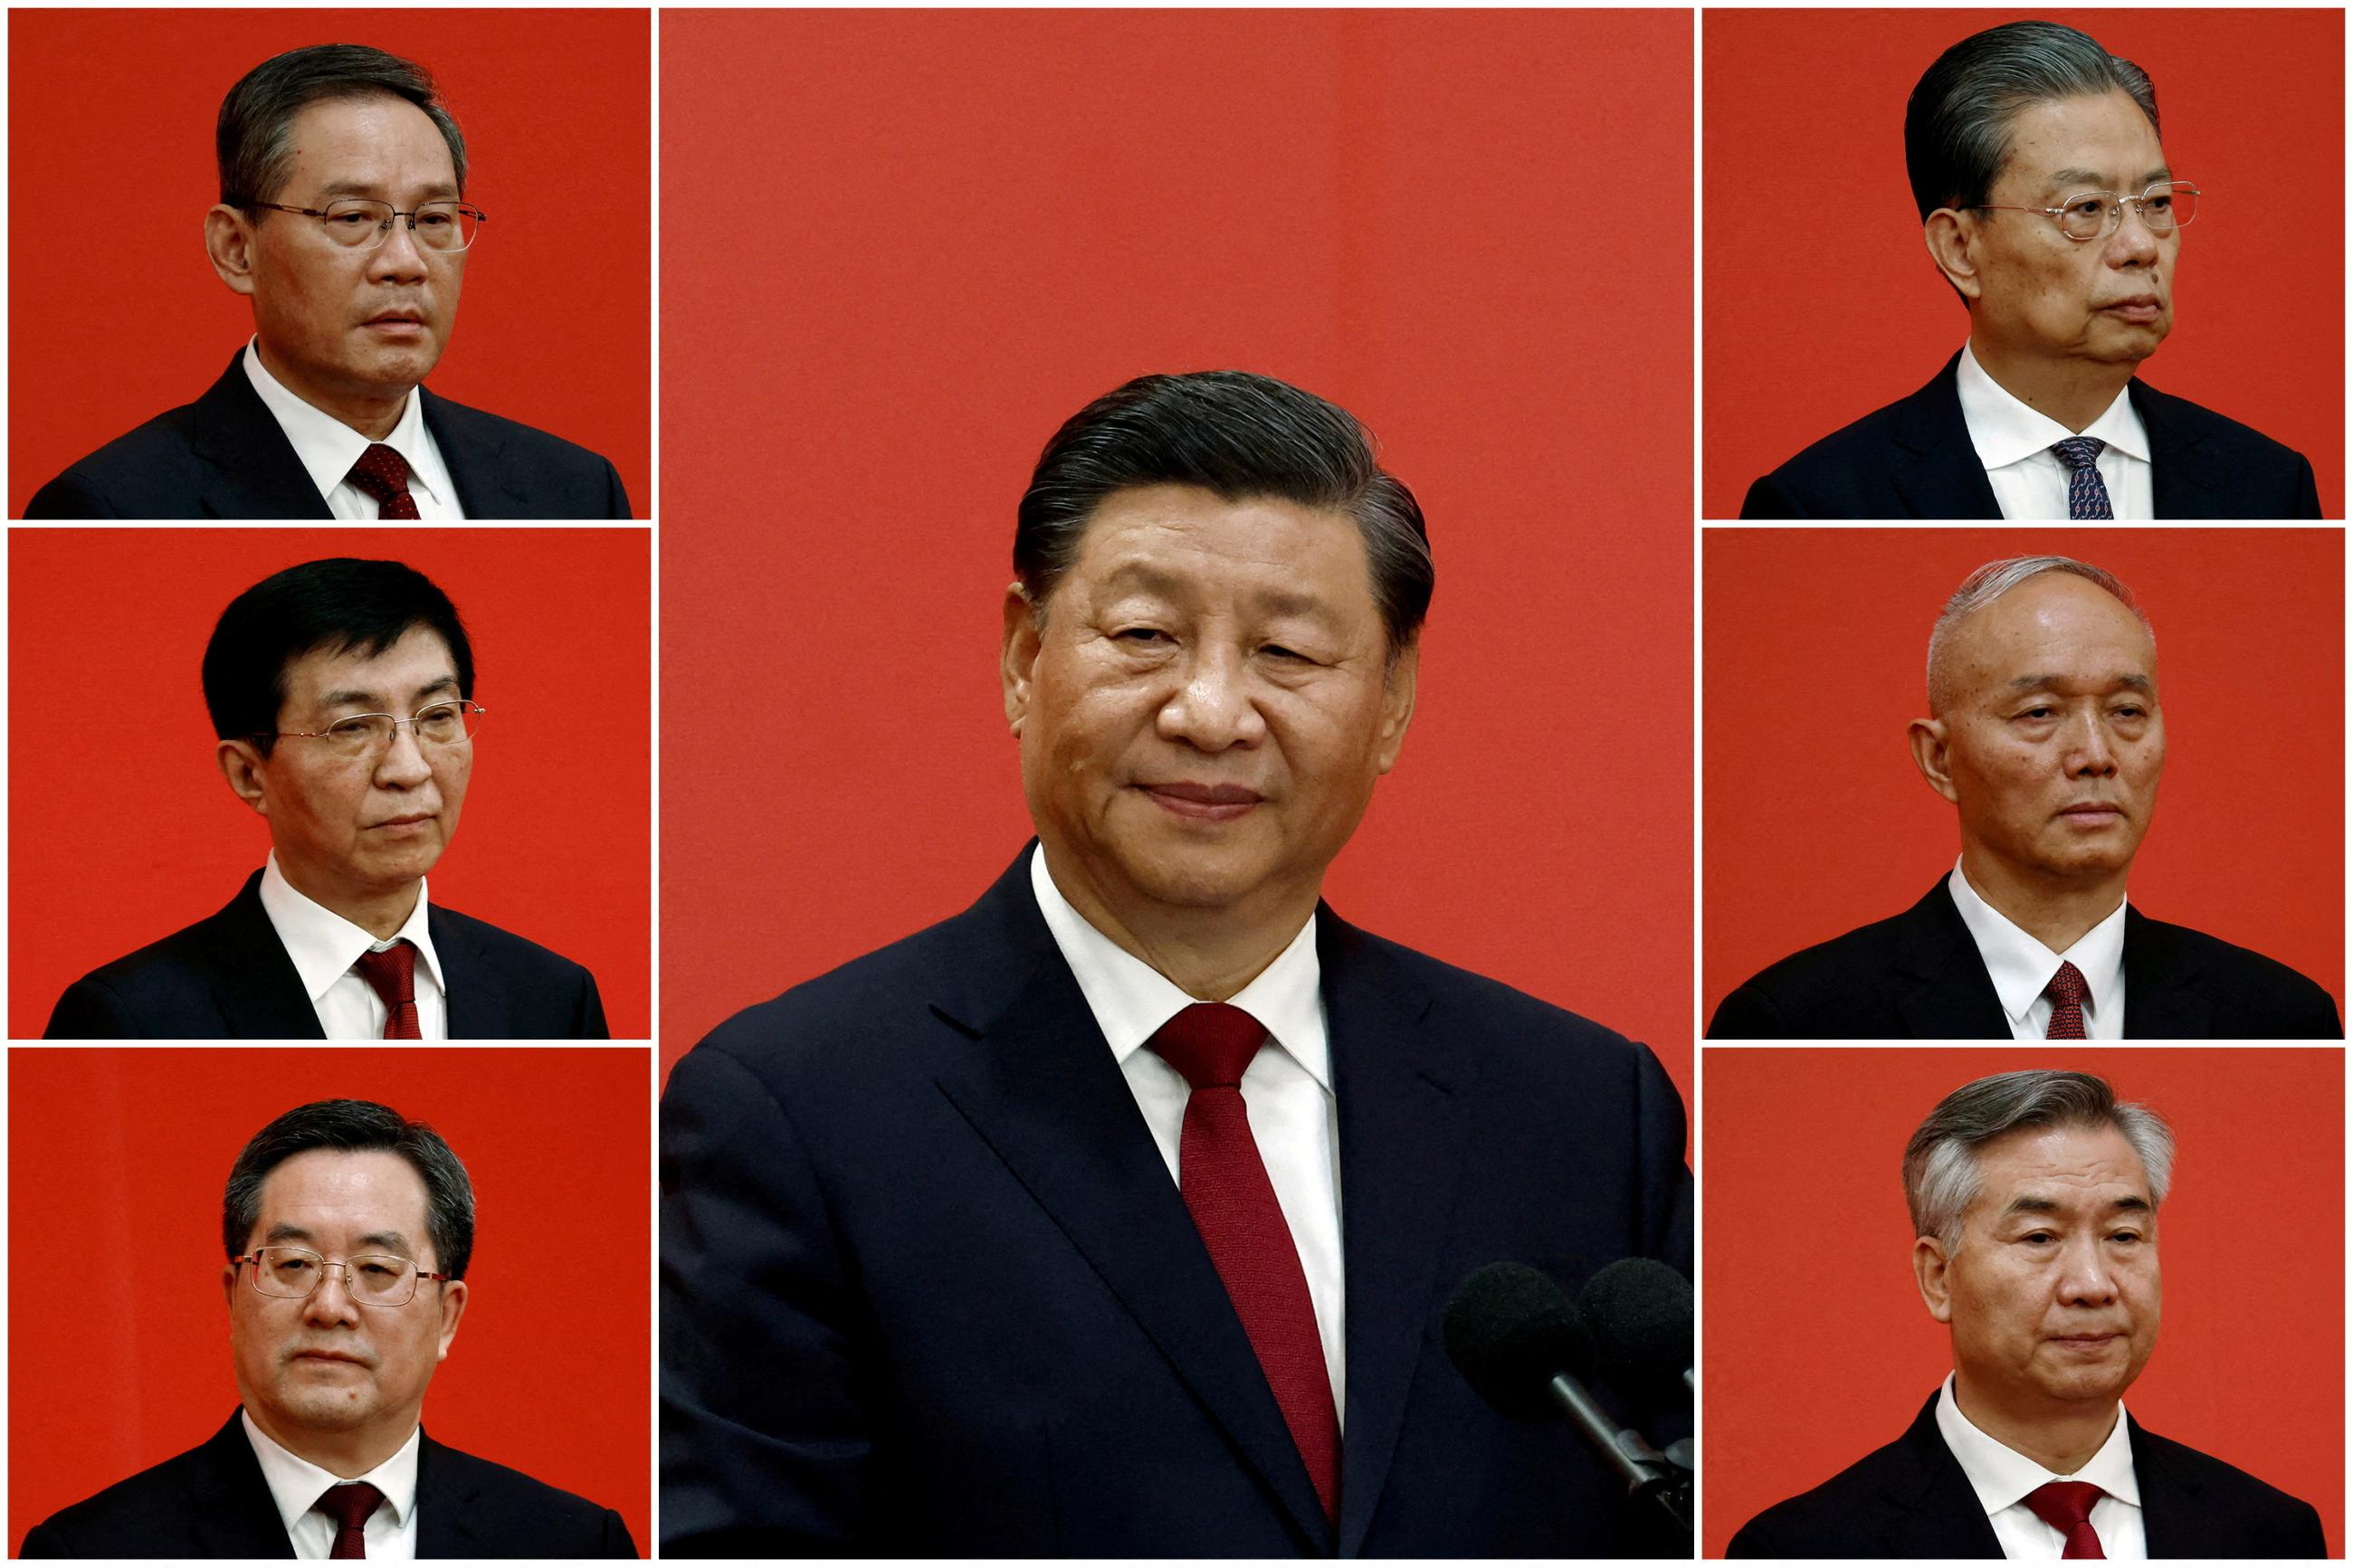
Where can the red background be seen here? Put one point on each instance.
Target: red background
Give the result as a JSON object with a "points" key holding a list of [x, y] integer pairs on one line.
{"points": [[127, 1150], [998, 216], [114, 315], [1822, 305], [122, 830], [1816, 655], [1819, 1350]]}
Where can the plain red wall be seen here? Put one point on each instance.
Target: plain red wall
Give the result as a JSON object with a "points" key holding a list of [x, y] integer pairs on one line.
{"points": [[124, 1152], [114, 315], [122, 830], [1822, 305], [997, 217], [1819, 1350], [1815, 659]]}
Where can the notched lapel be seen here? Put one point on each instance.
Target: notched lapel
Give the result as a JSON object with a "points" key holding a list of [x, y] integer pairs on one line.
{"points": [[230, 1504], [1936, 1512], [254, 471], [473, 990], [2183, 478], [1947, 993], [1945, 478], [472, 450], [253, 983], [445, 1517], [2162, 1000]]}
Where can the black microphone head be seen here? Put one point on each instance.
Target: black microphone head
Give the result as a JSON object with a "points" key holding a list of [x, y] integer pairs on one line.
{"points": [[1509, 1331], [1639, 1311]]}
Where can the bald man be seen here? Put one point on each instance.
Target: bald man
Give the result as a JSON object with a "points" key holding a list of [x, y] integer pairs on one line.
{"points": [[2047, 735]]}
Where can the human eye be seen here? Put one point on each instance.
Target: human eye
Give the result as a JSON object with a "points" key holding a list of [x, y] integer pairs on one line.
{"points": [[1141, 635], [378, 1270], [289, 1265], [2087, 206]]}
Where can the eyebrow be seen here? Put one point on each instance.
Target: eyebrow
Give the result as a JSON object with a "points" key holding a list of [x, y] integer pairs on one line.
{"points": [[438, 191], [2030, 1203], [2136, 682], [1274, 601], [2077, 178], [343, 695], [392, 1240]]}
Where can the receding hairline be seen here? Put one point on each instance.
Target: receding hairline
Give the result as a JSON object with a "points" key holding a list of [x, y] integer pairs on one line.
{"points": [[1950, 628]]}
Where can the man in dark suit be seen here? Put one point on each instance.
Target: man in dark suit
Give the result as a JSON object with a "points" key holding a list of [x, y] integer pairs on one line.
{"points": [[1024, 1236], [2049, 739], [348, 1229], [341, 693], [342, 217], [2048, 205], [2035, 1195]]}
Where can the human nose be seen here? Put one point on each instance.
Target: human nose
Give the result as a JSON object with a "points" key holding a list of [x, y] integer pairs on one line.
{"points": [[2086, 1278], [2091, 752], [2134, 240], [398, 258], [404, 762], [320, 1307], [1213, 706]]}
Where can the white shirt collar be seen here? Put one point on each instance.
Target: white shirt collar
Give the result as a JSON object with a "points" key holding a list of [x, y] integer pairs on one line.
{"points": [[295, 1484], [1131, 1000], [2021, 967], [324, 944], [2002, 1476], [328, 448], [2005, 430]]}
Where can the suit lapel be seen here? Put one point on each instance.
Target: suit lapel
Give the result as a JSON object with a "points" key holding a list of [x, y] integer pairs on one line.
{"points": [[254, 983], [2174, 1517], [473, 991], [1936, 1512], [2162, 1001], [229, 1503], [1401, 1155], [471, 448], [1946, 993], [446, 1519], [255, 472], [2184, 479], [1042, 1091], [1945, 477]]}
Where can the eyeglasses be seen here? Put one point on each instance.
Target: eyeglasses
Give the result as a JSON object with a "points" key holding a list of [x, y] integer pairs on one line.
{"points": [[373, 1279], [361, 225], [370, 734], [2094, 214]]}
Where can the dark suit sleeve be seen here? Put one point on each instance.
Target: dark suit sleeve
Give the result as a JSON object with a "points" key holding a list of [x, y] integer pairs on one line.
{"points": [[1767, 500], [43, 1541], [67, 498], [592, 1011], [616, 1540], [90, 1011], [1748, 1014], [764, 1443], [2308, 496], [617, 499], [1666, 1180]]}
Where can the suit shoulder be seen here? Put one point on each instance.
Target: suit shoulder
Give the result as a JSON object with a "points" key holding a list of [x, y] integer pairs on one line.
{"points": [[2246, 443], [2269, 1516], [865, 1004], [147, 471], [566, 1522], [2266, 996], [166, 973], [1510, 1013], [123, 1519], [1818, 980], [1824, 1521], [1824, 477], [510, 951], [539, 446]]}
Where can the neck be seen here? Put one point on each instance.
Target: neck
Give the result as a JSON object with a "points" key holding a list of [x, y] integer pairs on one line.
{"points": [[2074, 392], [2055, 914], [1207, 953], [345, 1455], [372, 413], [2061, 1438], [380, 912]]}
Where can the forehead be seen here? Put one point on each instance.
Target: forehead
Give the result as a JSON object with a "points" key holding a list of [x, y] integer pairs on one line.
{"points": [[371, 146], [2072, 1166], [2103, 141], [1182, 537], [2056, 623], [337, 1194], [419, 659]]}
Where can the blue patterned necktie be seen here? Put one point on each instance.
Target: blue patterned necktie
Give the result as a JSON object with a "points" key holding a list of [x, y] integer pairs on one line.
{"points": [[2086, 496]]}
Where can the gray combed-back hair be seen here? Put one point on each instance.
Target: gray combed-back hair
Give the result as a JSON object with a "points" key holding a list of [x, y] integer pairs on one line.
{"points": [[1940, 1163], [1990, 582]]}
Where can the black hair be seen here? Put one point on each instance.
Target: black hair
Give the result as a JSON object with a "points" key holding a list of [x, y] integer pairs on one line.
{"points": [[354, 1127], [253, 139], [1956, 124]]}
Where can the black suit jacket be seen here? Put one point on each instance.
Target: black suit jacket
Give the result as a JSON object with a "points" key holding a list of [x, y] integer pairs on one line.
{"points": [[1913, 459], [1919, 976], [228, 977], [927, 1288], [225, 455], [1912, 1499], [213, 1501]]}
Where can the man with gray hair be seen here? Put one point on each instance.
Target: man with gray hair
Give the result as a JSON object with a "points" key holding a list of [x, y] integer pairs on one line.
{"points": [[2034, 1200], [2047, 734], [2048, 207]]}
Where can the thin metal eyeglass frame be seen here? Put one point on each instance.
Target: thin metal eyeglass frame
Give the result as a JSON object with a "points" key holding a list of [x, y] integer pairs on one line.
{"points": [[2115, 210], [344, 1264], [384, 227], [473, 711]]}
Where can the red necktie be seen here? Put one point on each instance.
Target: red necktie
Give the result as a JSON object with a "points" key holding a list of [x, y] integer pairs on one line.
{"points": [[349, 1506], [2066, 992], [1225, 1185], [384, 474], [393, 973], [2066, 1507]]}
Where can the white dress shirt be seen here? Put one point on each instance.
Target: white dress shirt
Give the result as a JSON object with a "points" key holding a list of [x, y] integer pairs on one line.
{"points": [[2030, 482], [2021, 967], [2002, 1476], [328, 448], [296, 1485], [1287, 1087], [324, 946]]}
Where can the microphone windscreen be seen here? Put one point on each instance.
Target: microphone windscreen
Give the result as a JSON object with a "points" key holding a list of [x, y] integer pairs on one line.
{"points": [[1640, 1313], [1509, 1331]]}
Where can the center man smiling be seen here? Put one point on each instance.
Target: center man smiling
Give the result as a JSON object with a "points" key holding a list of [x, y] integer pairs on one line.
{"points": [[1115, 1215]]}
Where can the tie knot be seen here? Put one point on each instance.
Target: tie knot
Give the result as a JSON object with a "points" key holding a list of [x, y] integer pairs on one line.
{"points": [[381, 472], [350, 1504], [2064, 1505], [2079, 451], [393, 972], [2067, 986], [1210, 1042]]}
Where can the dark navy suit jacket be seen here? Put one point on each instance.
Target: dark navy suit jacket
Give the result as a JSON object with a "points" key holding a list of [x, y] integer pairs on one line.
{"points": [[213, 1501], [927, 1288], [225, 455], [1913, 1499], [228, 977], [1913, 459], [1919, 976]]}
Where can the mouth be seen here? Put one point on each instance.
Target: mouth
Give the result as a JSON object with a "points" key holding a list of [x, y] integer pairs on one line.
{"points": [[1202, 802], [402, 323], [329, 1357], [411, 823], [2091, 814], [2140, 308], [2085, 1345]]}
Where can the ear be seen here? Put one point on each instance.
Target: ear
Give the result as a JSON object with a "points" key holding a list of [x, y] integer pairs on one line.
{"points": [[1953, 239], [1929, 1270], [1930, 738], [453, 1307], [1397, 703], [241, 763], [1023, 640], [229, 241], [228, 1285]]}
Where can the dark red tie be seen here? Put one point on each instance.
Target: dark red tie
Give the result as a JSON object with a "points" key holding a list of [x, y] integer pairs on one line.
{"points": [[2066, 992], [349, 1506], [1225, 1185], [2066, 1507], [384, 474], [393, 973]]}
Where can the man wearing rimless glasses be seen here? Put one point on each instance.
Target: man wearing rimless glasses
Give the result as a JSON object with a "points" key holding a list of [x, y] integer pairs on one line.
{"points": [[2047, 203], [348, 1228], [342, 691], [343, 218]]}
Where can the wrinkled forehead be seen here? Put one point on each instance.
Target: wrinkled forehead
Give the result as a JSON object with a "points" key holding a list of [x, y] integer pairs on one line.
{"points": [[333, 1199], [2067, 1169], [372, 145], [2057, 146], [2056, 625]]}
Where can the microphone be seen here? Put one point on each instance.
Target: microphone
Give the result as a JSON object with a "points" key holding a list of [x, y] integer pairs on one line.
{"points": [[1640, 1312], [1517, 1340]]}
